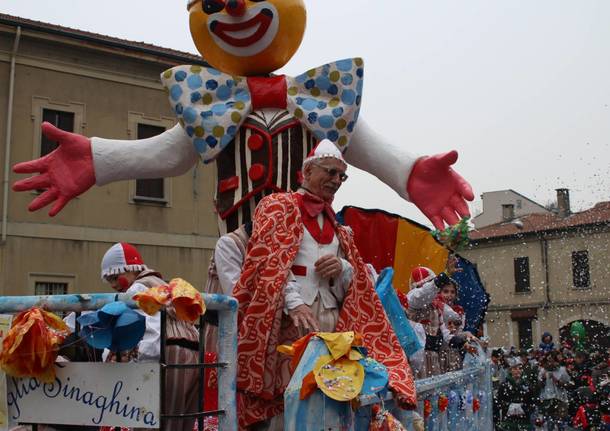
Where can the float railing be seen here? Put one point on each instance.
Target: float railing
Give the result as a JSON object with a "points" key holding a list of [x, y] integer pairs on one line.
{"points": [[224, 306]]}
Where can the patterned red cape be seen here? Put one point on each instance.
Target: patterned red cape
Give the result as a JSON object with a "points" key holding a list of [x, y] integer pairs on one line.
{"points": [[262, 372]]}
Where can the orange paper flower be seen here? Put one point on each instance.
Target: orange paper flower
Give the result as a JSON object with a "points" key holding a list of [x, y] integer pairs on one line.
{"points": [[427, 408], [186, 300], [151, 300], [32, 344], [443, 402]]}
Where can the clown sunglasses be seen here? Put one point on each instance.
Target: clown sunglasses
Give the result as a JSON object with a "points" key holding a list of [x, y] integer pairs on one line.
{"points": [[332, 172]]}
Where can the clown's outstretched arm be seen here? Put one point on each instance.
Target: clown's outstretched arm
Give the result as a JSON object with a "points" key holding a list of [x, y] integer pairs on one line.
{"points": [[79, 162], [428, 181], [169, 154]]}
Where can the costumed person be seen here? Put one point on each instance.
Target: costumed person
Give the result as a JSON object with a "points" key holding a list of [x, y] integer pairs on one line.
{"points": [[416, 360], [588, 416], [554, 395], [303, 273], [125, 271], [451, 354], [225, 269], [546, 343], [516, 399], [257, 127], [426, 308], [223, 273]]}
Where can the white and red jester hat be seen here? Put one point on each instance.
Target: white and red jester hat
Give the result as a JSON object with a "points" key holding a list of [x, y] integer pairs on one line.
{"points": [[121, 258], [420, 276], [324, 149]]}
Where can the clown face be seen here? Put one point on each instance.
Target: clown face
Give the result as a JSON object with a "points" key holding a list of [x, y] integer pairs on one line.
{"points": [[247, 37]]}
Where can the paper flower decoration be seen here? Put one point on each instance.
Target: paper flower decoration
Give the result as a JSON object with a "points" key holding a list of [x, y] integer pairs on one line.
{"points": [[114, 326], [151, 300], [383, 420], [32, 344], [443, 402], [427, 408], [345, 373], [186, 300], [340, 379], [454, 237]]}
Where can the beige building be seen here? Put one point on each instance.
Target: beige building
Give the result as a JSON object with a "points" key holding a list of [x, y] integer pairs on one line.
{"points": [[497, 203], [96, 86], [544, 271]]}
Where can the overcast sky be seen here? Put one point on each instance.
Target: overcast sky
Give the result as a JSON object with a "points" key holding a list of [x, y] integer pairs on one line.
{"points": [[520, 88]]}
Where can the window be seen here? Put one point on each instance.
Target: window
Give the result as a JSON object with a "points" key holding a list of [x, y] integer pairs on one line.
{"points": [[60, 119], [526, 340], [65, 115], [522, 274], [153, 189], [50, 288], [580, 269]]}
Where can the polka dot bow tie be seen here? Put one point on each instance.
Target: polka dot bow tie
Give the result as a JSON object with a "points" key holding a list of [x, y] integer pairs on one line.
{"points": [[211, 105]]}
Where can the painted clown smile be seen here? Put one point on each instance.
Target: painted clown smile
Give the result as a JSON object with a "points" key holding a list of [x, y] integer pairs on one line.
{"points": [[246, 35]]}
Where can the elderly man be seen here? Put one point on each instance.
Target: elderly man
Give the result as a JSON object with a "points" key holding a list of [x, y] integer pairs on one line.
{"points": [[302, 272]]}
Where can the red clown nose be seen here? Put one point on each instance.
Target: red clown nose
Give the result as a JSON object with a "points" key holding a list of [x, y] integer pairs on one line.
{"points": [[236, 7]]}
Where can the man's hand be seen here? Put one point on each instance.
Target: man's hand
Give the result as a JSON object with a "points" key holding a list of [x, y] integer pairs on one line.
{"points": [[303, 319], [65, 173], [438, 191], [329, 266]]}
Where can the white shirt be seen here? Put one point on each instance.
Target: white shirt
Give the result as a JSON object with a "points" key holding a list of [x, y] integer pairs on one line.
{"points": [[229, 261], [301, 290]]}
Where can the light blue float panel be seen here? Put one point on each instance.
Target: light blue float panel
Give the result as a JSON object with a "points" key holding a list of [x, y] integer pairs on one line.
{"points": [[318, 412], [461, 389]]}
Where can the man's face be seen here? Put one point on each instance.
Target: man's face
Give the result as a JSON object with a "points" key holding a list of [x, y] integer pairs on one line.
{"points": [[323, 177], [516, 372]]}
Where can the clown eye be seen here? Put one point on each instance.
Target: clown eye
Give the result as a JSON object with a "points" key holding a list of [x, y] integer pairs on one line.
{"points": [[212, 6]]}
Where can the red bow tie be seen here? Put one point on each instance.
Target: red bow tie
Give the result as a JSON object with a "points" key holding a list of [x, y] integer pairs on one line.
{"points": [[313, 205]]}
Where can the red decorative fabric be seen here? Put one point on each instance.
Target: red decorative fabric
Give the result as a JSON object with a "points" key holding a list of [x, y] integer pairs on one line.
{"points": [[311, 206], [262, 371], [268, 92]]}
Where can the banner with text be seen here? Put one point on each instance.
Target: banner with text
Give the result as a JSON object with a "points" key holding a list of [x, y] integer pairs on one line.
{"points": [[5, 325], [85, 393]]}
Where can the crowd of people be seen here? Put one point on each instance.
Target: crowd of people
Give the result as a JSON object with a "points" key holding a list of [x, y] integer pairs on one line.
{"points": [[561, 387]]}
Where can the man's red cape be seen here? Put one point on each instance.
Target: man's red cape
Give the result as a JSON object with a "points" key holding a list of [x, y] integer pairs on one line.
{"points": [[261, 370]]}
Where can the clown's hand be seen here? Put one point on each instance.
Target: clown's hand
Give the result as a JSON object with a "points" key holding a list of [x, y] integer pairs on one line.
{"points": [[438, 191], [64, 173]]}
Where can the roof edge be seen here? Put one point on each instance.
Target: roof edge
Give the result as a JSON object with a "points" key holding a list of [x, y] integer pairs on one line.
{"points": [[103, 40]]}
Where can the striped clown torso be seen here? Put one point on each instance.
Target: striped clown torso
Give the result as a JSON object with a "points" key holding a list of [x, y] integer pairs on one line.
{"points": [[265, 157]]}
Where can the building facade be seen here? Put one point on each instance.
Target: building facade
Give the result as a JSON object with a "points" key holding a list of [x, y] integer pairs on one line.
{"points": [[96, 86], [505, 204], [545, 271]]}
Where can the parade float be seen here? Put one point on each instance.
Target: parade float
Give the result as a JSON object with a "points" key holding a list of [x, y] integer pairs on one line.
{"points": [[258, 128]]}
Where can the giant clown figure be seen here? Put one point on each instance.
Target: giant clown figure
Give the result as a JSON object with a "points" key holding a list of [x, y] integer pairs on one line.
{"points": [[257, 127]]}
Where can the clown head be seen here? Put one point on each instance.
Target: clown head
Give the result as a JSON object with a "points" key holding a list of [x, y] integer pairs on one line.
{"points": [[247, 37]]}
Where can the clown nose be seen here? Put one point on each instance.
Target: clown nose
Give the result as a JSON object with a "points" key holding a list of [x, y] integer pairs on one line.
{"points": [[236, 7]]}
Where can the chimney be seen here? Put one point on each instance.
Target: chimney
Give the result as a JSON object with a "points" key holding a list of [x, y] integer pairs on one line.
{"points": [[563, 203], [508, 212]]}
